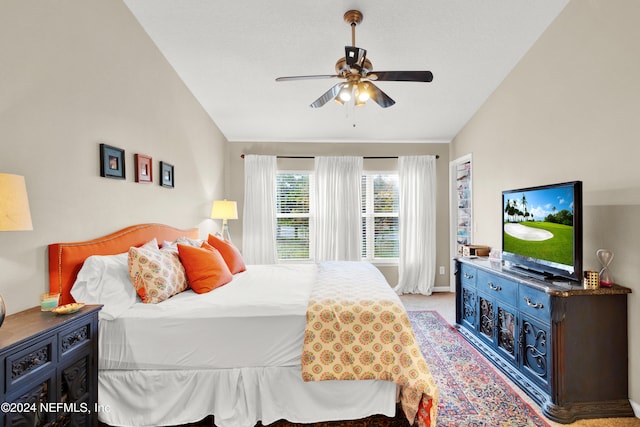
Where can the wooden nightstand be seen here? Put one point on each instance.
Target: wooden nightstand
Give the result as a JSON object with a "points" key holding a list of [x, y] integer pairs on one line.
{"points": [[49, 373]]}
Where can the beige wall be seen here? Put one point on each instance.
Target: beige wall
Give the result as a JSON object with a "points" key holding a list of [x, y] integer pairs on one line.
{"points": [[569, 111], [76, 73], [235, 181]]}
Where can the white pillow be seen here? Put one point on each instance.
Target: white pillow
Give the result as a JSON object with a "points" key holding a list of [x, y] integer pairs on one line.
{"points": [[173, 246], [104, 279]]}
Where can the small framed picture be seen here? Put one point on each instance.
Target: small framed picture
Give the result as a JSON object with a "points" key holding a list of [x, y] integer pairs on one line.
{"points": [[112, 162], [144, 171], [166, 175]]}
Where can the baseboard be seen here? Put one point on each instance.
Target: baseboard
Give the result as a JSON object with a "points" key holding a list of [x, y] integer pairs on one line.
{"points": [[441, 289], [636, 408]]}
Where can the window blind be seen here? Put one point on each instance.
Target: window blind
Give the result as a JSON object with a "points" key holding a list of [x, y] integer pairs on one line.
{"points": [[293, 216], [380, 203]]}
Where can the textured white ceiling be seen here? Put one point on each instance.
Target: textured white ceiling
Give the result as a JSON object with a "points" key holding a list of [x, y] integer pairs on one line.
{"points": [[228, 53]]}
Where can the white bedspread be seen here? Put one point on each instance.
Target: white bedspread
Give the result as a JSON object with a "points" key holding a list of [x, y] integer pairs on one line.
{"points": [[234, 352], [256, 320]]}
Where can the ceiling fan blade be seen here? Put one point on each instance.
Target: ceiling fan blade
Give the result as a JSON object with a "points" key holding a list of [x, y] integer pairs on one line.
{"points": [[379, 97], [327, 96], [401, 76], [319, 76]]}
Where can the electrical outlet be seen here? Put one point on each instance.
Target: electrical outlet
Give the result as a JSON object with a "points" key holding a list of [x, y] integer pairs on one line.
{"points": [[442, 270]]}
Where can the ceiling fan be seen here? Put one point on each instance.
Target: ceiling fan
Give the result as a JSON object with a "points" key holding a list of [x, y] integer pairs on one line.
{"points": [[358, 75]]}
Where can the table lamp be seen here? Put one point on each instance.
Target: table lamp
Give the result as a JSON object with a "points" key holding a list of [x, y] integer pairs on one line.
{"points": [[224, 210], [14, 212]]}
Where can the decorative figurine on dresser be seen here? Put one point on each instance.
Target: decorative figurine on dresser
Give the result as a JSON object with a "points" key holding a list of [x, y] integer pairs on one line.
{"points": [[528, 312], [50, 368]]}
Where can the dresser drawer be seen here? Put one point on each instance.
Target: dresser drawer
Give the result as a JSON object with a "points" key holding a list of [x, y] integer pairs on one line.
{"points": [[468, 275], [498, 287], [535, 303], [24, 365]]}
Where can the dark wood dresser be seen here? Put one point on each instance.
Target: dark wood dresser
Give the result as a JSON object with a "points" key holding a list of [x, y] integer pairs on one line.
{"points": [[49, 374], [564, 345]]}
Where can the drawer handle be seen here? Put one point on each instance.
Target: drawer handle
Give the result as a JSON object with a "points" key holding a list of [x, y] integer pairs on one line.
{"points": [[494, 287], [532, 305], [468, 276]]}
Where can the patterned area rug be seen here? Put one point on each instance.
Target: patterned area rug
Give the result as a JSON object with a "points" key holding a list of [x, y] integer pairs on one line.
{"points": [[471, 391]]}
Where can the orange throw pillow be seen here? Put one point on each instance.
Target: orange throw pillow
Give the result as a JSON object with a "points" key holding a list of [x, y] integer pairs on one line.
{"points": [[230, 253], [206, 269]]}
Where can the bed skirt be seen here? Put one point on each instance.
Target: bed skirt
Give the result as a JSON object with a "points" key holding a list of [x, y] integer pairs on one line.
{"points": [[236, 397]]}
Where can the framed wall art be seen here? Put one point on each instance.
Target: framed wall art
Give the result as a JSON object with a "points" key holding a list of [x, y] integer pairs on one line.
{"points": [[166, 175], [144, 170], [112, 162]]}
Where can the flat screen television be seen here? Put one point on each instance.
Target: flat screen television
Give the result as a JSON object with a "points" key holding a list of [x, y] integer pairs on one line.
{"points": [[542, 230]]}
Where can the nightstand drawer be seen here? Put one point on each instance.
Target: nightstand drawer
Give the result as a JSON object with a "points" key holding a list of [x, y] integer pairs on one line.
{"points": [[22, 366], [535, 303], [498, 287], [74, 337]]}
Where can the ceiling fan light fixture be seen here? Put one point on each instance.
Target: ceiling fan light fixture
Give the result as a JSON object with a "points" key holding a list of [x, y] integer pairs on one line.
{"points": [[363, 93], [345, 93]]}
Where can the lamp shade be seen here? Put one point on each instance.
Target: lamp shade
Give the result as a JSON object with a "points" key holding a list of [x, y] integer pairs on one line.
{"points": [[14, 204], [224, 209]]}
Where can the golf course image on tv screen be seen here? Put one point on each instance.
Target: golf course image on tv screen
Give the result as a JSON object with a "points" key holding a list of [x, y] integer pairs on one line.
{"points": [[539, 223]]}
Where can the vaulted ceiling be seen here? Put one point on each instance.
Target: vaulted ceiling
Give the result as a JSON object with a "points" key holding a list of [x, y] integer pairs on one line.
{"points": [[229, 53]]}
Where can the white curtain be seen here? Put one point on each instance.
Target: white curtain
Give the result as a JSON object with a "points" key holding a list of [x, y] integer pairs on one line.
{"points": [[338, 211], [417, 224], [259, 213]]}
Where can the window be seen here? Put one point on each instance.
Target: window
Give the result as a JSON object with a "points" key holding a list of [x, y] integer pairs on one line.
{"points": [[295, 231], [293, 200], [380, 200]]}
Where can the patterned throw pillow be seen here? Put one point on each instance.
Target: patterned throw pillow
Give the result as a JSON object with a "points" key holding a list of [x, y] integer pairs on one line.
{"points": [[156, 274]]}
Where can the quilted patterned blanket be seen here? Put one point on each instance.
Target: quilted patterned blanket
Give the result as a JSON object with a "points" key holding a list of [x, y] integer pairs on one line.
{"points": [[357, 329]]}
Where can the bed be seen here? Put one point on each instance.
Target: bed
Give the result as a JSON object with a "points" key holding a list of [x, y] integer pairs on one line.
{"points": [[276, 342]]}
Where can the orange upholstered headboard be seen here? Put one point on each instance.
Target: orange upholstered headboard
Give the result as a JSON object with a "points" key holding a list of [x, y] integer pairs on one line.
{"points": [[66, 259]]}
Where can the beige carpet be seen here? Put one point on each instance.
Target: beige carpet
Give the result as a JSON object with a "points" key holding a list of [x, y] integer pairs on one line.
{"points": [[444, 303]]}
